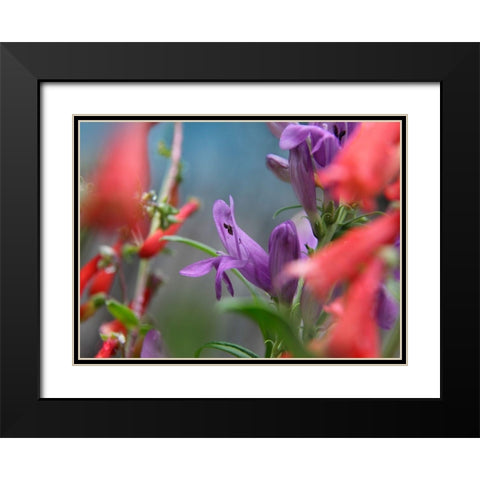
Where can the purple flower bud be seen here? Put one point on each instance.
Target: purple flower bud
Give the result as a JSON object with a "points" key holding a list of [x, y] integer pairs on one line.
{"points": [[302, 179], [277, 127], [387, 309], [279, 166], [153, 345], [306, 238], [283, 247]]}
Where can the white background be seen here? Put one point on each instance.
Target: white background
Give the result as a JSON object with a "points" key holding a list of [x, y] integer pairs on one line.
{"points": [[421, 378], [370, 20]]}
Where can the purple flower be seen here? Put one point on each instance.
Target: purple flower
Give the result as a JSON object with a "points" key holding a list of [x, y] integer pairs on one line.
{"points": [[246, 255], [342, 130], [153, 346], [243, 253], [387, 309], [283, 247], [311, 147]]}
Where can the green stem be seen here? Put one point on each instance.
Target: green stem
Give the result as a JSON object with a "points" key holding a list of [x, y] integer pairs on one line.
{"points": [[164, 194], [392, 343]]}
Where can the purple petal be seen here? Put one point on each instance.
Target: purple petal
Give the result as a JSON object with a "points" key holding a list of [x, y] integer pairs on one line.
{"points": [[325, 150], [279, 166], [294, 135], [228, 284], [341, 130], [305, 233], [301, 177], [277, 127], [283, 247], [153, 345], [201, 268], [387, 309], [240, 246], [226, 263]]}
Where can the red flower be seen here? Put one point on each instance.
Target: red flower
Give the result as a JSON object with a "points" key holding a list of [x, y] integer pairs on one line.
{"points": [[367, 163], [119, 180], [110, 346], [103, 280], [153, 244], [88, 271], [115, 326], [341, 259], [355, 333], [108, 349]]}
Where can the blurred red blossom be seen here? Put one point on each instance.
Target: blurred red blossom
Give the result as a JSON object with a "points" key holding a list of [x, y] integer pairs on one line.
{"points": [[341, 259], [120, 179], [355, 332], [368, 162]]}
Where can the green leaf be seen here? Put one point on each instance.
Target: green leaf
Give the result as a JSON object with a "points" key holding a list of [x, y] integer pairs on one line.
{"points": [[231, 348], [283, 209], [271, 323], [144, 328], [193, 243], [122, 313]]}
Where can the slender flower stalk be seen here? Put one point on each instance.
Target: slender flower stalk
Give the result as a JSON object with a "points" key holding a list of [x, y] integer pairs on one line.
{"points": [[164, 195]]}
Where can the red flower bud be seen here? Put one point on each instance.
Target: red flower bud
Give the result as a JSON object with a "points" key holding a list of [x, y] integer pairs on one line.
{"points": [[341, 259], [108, 349], [367, 163], [102, 283], [88, 271], [153, 244], [119, 180]]}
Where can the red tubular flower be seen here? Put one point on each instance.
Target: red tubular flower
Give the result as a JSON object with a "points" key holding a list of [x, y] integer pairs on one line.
{"points": [[367, 163], [355, 333], [103, 280], [88, 271], [108, 349], [153, 244], [341, 259], [121, 177], [110, 345], [115, 326]]}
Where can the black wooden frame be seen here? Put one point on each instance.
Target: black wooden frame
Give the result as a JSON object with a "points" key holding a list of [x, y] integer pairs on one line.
{"points": [[25, 66]]}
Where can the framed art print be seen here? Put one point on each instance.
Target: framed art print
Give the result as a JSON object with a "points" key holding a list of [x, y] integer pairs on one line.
{"points": [[211, 157], [211, 242]]}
